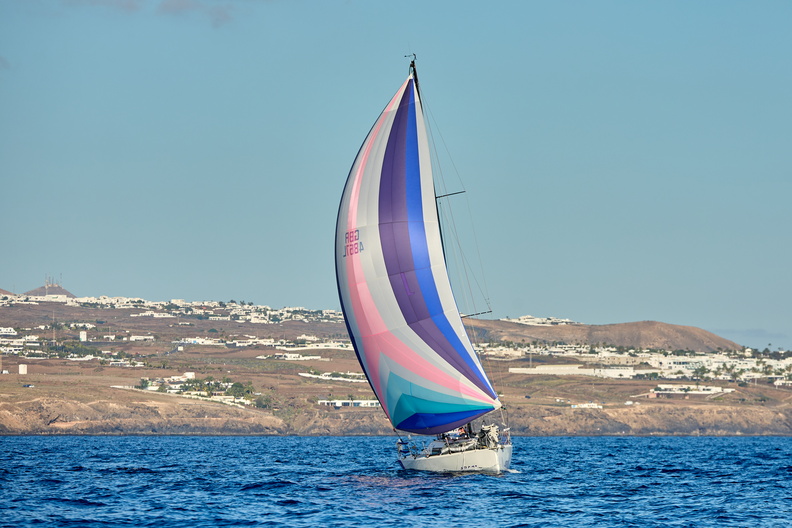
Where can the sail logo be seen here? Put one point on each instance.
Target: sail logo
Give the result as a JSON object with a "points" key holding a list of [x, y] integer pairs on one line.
{"points": [[352, 243]]}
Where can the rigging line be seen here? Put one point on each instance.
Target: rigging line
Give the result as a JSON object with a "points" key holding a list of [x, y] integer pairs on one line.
{"points": [[464, 269], [451, 231], [495, 370], [505, 418], [482, 289]]}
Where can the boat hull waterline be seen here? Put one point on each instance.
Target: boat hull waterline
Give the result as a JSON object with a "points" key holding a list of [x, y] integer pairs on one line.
{"points": [[483, 460], [459, 451]]}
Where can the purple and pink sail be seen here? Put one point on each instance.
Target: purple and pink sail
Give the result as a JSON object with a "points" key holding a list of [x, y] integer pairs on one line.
{"points": [[393, 283]]}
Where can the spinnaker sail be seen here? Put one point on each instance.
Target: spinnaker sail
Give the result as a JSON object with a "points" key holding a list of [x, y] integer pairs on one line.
{"points": [[393, 283]]}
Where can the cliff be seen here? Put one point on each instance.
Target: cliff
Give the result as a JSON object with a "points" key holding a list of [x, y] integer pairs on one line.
{"points": [[169, 415]]}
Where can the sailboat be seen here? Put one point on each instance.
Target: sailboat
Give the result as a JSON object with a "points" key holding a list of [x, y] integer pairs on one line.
{"points": [[398, 304]]}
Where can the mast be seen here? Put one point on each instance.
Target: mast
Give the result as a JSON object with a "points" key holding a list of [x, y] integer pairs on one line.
{"points": [[414, 73]]}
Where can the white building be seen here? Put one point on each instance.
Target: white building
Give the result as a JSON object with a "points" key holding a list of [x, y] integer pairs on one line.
{"points": [[581, 370], [349, 403], [530, 320]]}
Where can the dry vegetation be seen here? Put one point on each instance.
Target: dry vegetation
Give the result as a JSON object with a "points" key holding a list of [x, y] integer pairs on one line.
{"points": [[77, 397]]}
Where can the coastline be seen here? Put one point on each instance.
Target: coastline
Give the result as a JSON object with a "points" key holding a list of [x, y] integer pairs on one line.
{"points": [[142, 414], [61, 396]]}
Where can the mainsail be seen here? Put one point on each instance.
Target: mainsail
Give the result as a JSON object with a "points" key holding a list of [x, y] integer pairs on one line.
{"points": [[393, 283]]}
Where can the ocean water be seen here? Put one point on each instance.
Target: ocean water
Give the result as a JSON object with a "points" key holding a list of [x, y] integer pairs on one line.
{"points": [[200, 482]]}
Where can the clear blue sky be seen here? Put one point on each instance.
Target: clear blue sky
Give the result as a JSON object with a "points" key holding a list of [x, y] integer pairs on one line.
{"points": [[624, 160]]}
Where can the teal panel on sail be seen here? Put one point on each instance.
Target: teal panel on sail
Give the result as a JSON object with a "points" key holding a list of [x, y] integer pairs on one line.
{"points": [[406, 399]]}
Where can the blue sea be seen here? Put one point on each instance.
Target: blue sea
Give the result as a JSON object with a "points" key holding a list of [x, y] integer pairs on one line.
{"points": [[195, 482]]}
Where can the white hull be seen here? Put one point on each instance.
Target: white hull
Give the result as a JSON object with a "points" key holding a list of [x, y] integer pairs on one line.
{"points": [[494, 460]]}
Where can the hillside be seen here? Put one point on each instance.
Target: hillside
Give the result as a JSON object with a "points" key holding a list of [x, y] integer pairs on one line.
{"points": [[60, 396], [644, 334], [50, 289]]}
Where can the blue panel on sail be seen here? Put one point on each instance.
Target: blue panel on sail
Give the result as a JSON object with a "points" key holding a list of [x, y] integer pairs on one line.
{"points": [[434, 424]]}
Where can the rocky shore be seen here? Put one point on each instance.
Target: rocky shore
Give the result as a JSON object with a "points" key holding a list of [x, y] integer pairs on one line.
{"points": [[166, 415]]}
